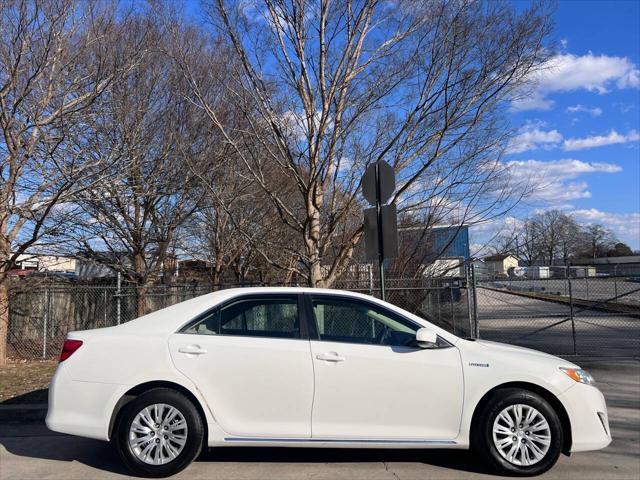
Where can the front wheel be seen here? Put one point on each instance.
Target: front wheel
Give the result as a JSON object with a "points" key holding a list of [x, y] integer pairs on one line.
{"points": [[519, 433], [159, 433]]}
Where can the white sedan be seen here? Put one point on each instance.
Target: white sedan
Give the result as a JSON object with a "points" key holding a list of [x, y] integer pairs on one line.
{"points": [[296, 367]]}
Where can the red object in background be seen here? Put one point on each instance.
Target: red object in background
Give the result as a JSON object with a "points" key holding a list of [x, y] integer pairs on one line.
{"points": [[19, 272], [69, 347]]}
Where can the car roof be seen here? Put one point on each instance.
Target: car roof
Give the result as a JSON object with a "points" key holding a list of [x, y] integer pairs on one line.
{"points": [[170, 319]]}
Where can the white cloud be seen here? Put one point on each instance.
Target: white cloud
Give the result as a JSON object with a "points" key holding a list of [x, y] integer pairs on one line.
{"points": [[600, 140], [624, 107], [568, 72], [626, 226], [553, 181], [532, 137], [483, 233], [532, 101], [631, 79], [594, 111]]}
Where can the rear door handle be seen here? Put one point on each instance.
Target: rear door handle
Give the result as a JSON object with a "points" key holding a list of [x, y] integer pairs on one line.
{"points": [[192, 350], [330, 357]]}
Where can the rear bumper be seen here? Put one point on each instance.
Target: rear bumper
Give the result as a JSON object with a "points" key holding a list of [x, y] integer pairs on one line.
{"points": [[587, 412], [81, 408]]}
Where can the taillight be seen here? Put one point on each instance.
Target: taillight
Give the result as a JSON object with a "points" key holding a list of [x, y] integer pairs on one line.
{"points": [[68, 348]]}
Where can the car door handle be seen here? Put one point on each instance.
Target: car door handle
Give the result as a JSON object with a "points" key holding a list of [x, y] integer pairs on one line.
{"points": [[192, 350], [330, 357]]}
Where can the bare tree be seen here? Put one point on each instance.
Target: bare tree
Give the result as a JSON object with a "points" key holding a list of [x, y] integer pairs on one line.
{"points": [[53, 66], [150, 136], [329, 88], [597, 240], [553, 236], [233, 218], [559, 235]]}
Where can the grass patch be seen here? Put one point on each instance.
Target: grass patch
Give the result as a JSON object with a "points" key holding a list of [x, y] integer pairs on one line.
{"points": [[26, 382]]}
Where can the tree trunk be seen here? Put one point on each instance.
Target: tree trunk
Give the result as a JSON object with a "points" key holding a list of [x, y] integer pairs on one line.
{"points": [[4, 320], [141, 300], [312, 243]]}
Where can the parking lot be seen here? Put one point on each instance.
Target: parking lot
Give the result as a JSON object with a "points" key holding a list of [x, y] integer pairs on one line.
{"points": [[28, 451], [618, 289]]}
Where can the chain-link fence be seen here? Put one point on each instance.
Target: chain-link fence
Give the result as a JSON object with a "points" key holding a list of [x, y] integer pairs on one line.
{"points": [[565, 314], [40, 318], [443, 301], [571, 311]]}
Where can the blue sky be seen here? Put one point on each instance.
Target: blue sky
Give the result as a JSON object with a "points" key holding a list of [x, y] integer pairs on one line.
{"points": [[578, 134]]}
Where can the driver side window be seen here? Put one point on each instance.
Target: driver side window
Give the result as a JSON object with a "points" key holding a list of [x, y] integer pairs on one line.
{"points": [[360, 322]]}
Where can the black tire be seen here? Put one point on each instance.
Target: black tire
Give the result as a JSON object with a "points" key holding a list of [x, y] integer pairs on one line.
{"points": [[483, 444], [191, 449]]}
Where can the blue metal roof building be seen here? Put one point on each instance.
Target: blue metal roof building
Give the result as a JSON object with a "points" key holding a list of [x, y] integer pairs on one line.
{"points": [[449, 241], [453, 239]]}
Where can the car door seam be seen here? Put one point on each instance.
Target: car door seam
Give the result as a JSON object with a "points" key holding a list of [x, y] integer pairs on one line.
{"points": [[313, 398]]}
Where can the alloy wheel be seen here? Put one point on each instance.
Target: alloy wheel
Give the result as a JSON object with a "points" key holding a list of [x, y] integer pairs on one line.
{"points": [[158, 434], [521, 435]]}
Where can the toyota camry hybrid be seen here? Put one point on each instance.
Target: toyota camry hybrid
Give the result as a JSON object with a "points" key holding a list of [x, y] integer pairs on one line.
{"points": [[299, 367]]}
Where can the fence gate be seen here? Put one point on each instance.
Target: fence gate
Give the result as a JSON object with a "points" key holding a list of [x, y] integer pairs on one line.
{"points": [[564, 314]]}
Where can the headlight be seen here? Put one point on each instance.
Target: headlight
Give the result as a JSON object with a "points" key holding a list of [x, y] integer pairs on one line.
{"points": [[579, 375]]}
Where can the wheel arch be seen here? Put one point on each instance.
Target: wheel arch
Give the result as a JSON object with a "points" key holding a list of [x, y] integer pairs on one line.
{"points": [[133, 392], [544, 393]]}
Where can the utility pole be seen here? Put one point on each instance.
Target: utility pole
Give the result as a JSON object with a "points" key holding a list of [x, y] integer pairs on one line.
{"points": [[380, 237]]}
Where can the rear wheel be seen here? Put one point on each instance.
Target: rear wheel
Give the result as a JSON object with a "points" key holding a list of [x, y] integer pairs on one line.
{"points": [[159, 433], [519, 433]]}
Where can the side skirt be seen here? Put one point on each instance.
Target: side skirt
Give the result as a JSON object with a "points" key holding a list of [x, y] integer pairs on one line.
{"points": [[337, 443]]}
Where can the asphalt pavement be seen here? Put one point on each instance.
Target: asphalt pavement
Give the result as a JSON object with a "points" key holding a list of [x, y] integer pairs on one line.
{"points": [[29, 451]]}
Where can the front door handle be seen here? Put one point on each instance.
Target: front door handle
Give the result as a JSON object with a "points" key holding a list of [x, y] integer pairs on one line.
{"points": [[192, 350], [330, 357]]}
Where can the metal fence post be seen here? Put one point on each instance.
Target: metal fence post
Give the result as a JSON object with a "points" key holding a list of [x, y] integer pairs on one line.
{"points": [[586, 281], [476, 330], [118, 299], [46, 320], [438, 304], [573, 323], [467, 275], [615, 281], [370, 265], [453, 316]]}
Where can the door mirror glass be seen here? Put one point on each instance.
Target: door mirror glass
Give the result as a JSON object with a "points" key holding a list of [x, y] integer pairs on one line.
{"points": [[426, 338]]}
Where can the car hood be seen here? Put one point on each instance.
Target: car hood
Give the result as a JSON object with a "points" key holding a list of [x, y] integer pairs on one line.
{"points": [[518, 352]]}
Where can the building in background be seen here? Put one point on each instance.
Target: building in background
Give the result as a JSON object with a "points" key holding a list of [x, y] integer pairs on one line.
{"points": [[440, 251], [499, 264], [29, 263]]}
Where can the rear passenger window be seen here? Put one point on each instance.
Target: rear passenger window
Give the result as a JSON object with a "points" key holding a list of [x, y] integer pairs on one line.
{"points": [[253, 317]]}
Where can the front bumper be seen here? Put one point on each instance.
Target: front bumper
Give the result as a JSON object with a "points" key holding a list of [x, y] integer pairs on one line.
{"points": [[587, 412], [81, 408]]}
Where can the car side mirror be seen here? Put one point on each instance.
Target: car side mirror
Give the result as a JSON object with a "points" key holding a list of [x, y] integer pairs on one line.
{"points": [[426, 338]]}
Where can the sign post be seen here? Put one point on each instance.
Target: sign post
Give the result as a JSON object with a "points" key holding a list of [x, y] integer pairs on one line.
{"points": [[380, 221]]}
